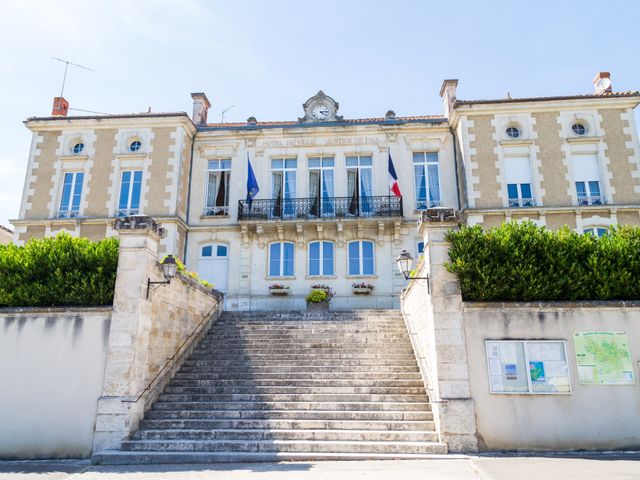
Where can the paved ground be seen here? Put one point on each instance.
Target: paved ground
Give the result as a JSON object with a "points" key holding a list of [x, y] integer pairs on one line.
{"points": [[593, 467]]}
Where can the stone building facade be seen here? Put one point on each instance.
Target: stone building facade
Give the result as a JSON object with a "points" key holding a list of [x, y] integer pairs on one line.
{"points": [[324, 212]]}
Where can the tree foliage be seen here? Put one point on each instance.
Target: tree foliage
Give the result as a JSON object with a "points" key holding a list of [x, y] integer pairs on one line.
{"points": [[524, 262], [58, 271]]}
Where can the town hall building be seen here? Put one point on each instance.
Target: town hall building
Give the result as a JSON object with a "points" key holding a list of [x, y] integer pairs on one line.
{"points": [[324, 212]]}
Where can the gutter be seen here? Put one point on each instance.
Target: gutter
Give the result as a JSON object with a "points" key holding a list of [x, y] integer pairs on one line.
{"points": [[186, 232]]}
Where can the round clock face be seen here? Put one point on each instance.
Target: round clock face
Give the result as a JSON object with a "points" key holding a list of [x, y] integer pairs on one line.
{"points": [[320, 112]]}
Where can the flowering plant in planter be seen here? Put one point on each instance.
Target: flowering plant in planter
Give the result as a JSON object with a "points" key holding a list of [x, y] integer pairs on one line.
{"points": [[321, 286], [319, 299], [362, 288], [279, 289]]}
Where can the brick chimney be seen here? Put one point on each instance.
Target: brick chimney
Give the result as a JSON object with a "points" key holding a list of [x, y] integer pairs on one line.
{"points": [[602, 83], [60, 107], [448, 94], [201, 107]]}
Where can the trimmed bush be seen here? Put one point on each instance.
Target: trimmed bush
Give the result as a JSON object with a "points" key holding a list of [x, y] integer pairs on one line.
{"points": [[58, 271], [524, 262]]}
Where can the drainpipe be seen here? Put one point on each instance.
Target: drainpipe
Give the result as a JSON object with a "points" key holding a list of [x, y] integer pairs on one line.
{"points": [[186, 235], [455, 165]]}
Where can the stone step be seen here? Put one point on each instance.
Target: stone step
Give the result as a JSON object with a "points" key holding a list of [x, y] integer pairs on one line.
{"points": [[257, 350], [328, 376], [291, 397], [299, 446], [177, 383], [294, 424], [420, 406], [294, 356], [300, 363], [262, 390], [307, 369], [119, 457], [292, 414], [298, 434]]}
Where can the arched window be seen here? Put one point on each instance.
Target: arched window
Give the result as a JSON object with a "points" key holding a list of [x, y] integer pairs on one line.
{"points": [[321, 258], [361, 258], [281, 259]]}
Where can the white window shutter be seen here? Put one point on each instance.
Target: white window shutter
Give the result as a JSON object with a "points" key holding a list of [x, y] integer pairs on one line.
{"points": [[585, 168], [517, 170]]}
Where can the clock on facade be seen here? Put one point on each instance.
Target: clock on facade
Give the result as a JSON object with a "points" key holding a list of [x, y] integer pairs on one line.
{"points": [[320, 108]]}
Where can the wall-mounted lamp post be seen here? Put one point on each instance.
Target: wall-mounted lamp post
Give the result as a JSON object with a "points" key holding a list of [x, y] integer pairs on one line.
{"points": [[169, 267], [405, 265]]}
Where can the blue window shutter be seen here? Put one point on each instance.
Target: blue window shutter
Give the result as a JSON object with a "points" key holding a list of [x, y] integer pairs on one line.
{"points": [[274, 259], [367, 258], [66, 192], [135, 191], [77, 191], [288, 259], [124, 191]]}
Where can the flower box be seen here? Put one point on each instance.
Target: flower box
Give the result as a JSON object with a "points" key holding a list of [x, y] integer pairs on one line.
{"points": [[362, 290], [279, 291], [317, 306]]}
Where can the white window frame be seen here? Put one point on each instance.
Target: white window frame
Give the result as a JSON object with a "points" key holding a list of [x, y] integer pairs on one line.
{"points": [[361, 259], [69, 212], [321, 259], [212, 210], [128, 210], [281, 266], [425, 164]]}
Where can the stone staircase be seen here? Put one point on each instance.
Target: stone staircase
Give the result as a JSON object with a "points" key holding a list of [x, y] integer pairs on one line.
{"points": [[268, 386]]}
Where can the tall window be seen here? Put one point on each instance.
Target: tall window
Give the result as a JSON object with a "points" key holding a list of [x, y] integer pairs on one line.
{"points": [[359, 185], [361, 260], [129, 202], [518, 176], [71, 195], [321, 258], [427, 178], [283, 186], [281, 259], [218, 173], [586, 175], [321, 186]]}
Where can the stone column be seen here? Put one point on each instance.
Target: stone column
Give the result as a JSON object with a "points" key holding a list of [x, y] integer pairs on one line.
{"points": [[443, 344], [126, 366]]}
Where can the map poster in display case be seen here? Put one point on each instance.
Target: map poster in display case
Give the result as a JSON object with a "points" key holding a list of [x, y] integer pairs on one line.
{"points": [[603, 358], [528, 367]]}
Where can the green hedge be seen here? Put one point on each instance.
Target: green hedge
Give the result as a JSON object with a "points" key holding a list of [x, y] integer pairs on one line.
{"points": [[524, 262], [58, 271]]}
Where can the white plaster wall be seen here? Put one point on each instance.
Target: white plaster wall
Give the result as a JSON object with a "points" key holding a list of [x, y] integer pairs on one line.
{"points": [[51, 371], [591, 417]]}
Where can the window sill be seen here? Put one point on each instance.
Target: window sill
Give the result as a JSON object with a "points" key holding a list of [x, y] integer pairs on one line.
{"points": [[280, 278], [213, 217], [583, 139], [320, 277], [361, 276]]}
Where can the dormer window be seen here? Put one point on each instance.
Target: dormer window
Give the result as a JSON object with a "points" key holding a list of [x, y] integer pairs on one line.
{"points": [[78, 148], [579, 129], [513, 132], [135, 146]]}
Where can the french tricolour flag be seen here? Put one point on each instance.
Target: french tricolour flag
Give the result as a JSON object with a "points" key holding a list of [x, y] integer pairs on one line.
{"points": [[393, 179]]}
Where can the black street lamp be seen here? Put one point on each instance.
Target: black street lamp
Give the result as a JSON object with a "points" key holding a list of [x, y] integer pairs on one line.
{"points": [[405, 265], [169, 268]]}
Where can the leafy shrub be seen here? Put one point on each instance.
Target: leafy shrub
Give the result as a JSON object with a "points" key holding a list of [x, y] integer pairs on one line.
{"points": [[317, 296], [58, 271], [182, 269], [524, 262]]}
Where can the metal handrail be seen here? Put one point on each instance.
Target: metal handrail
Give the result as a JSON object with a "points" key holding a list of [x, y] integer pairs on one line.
{"points": [[320, 207], [169, 360]]}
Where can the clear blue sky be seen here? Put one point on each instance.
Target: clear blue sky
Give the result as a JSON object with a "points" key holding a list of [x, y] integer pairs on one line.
{"points": [[267, 57]]}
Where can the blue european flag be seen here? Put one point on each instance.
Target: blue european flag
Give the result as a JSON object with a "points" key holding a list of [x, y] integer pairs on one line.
{"points": [[252, 184]]}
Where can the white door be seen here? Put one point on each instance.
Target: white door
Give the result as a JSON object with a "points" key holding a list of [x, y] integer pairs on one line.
{"points": [[213, 265]]}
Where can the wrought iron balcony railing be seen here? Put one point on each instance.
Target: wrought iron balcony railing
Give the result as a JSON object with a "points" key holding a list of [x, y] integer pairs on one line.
{"points": [[67, 214], [310, 208], [590, 200], [521, 202]]}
